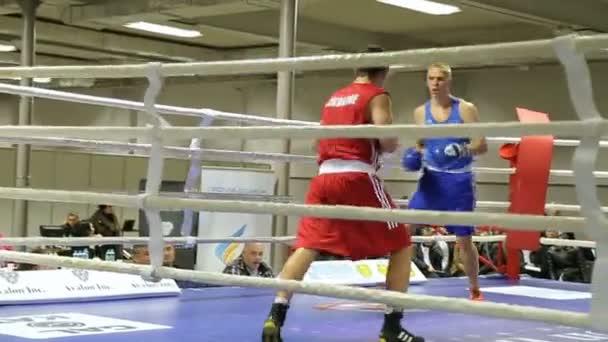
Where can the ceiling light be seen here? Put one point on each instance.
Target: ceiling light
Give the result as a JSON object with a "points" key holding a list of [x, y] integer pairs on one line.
{"points": [[7, 48], [163, 29], [36, 79], [424, 6], [42, 79]]}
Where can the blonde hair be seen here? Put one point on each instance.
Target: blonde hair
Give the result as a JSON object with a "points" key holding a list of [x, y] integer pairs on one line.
{"points": [[445, 68]]}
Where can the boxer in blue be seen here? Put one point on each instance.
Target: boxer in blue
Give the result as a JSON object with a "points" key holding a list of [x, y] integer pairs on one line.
{"points": [[447, 182]]}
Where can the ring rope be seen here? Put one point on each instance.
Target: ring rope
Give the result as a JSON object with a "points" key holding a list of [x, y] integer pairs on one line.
{"points": [[506, 221], [509, 171], [500, 310], [580, 88], [204, 113], [140, 106], [418, 59], [197, 153], [573, 128], [169, 151], [133, 241], [556, 142], [191, 240], [505, 205], [192, 178], [288, 240], [155, 168]]}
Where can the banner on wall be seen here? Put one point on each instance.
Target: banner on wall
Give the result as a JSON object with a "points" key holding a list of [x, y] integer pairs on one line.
{"points": [[214, 257]]}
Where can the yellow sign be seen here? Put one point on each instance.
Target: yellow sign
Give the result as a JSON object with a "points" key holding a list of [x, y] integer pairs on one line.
{"points": [[382, 269], [364, 270]]}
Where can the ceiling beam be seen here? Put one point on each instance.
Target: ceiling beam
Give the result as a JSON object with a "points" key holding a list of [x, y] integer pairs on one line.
{"points": [[581, 14], [14, 58]]}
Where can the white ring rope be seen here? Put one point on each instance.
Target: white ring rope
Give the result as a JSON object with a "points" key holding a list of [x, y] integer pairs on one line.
{"points": [[335, 291], [204, 113], [556, 142], [573, 128], [155, 167], [580, 88], [192, 179], [169, 151], [472, 55], [196, 153], [134, 241], [288, 240], [506, 221], [506, 205], [510, 171], [139, 106], [568, 243]]}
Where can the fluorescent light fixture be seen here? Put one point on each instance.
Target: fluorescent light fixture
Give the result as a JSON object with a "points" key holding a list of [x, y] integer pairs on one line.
{"points": [[424, 6], [36, 79], [7, 48], [163, 29], [42, 79]]}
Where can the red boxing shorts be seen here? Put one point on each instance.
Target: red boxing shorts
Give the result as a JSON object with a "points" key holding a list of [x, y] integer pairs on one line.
{"points": [[350, 238]]}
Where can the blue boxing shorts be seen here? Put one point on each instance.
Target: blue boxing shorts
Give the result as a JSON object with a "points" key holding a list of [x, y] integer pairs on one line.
{"points": [[445, 191]]}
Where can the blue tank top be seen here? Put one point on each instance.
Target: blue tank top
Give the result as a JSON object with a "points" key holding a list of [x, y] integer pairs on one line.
{"points": [[431, 160]]}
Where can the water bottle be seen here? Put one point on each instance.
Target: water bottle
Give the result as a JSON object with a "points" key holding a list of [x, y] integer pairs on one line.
{"points": [[81, 253], [110, 255]]}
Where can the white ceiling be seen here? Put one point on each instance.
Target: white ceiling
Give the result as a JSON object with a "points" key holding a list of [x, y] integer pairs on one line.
{"points": [[92, 32]]}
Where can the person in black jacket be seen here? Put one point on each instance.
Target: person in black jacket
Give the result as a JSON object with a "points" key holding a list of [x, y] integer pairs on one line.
{"points": [[106, 223]]}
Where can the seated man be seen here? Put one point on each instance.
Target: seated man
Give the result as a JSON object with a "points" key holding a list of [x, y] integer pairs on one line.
{"points": [[250, 263], [141, 255], [73, 226], [432, 257]]}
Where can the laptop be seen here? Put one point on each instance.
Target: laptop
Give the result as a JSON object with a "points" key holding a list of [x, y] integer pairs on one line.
{"points": [[128, 225]]}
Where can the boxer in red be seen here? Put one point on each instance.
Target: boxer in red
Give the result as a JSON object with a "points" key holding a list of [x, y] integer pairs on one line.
{"points": [[347, 176]]}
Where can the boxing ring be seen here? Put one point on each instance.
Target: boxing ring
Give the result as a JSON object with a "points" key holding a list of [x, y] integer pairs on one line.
{"points": [[512, 311], [211, 314]]}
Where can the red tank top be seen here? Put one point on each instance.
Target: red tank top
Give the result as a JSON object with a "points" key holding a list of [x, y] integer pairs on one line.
{"points": [[349, 106]]}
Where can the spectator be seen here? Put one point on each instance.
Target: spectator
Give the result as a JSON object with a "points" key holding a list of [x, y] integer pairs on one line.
{"points": [[76, 228], [250, 263], [488, 254], [106, 224], [141, 255], [432, 257]]}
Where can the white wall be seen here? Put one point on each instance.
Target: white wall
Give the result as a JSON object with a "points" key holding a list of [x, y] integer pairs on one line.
{"points": [[496, 93]]}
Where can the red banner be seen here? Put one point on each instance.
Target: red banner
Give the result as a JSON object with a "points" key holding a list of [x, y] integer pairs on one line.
{"points": [[531, 159]]}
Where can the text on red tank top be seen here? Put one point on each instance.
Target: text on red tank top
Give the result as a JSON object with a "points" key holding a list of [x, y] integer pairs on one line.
{"points": [[349, 106]]}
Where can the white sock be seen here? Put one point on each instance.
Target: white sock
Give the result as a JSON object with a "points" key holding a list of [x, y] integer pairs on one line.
{"points": [[281, 300]]}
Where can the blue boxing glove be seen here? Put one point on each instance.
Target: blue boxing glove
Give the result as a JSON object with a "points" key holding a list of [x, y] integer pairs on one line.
{"points": [[456, 150], [411, 160]]}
